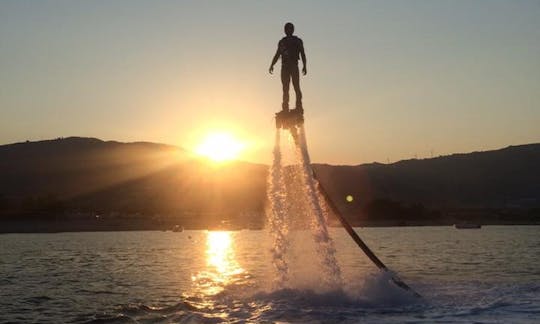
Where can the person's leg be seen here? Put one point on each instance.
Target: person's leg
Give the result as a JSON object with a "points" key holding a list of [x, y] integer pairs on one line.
{"points": [[285, 81], [295, 75]]}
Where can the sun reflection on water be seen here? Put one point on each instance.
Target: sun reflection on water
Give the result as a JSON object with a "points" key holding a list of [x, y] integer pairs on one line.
{"points": [[222, 268]]}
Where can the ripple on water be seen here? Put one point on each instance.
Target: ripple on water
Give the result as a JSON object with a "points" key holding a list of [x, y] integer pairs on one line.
{"points": [[153, 282]]}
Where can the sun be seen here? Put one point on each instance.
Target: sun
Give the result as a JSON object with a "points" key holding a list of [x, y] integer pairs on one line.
{"points": [[220, 147]]}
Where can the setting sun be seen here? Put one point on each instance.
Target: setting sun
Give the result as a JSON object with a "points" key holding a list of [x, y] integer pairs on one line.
{"points": [[220, 147]]}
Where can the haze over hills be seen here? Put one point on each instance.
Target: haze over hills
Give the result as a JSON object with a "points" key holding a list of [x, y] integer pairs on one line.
{"points": [[508, 177], [93, 175], [156, 181]]}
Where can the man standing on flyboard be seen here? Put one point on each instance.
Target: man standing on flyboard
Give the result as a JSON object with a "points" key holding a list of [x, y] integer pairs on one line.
{"points": [[290, 49]]}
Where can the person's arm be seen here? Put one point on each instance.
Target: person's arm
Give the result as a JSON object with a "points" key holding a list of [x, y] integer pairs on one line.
{"points": [[274, 60], [303, 56]]}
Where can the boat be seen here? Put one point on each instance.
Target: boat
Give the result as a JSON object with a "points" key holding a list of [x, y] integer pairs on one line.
{"points": [[178, 228]]}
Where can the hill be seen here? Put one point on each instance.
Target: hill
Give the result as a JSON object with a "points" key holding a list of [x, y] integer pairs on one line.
{"points": [[159, 185], [89, 177], [504, 184], [499, 178]]}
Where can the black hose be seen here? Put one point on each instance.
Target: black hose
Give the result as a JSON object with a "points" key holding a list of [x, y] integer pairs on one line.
{"points": [[357, 238]]}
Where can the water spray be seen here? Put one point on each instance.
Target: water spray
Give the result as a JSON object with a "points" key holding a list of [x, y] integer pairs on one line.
{"points": [[317, 196]]}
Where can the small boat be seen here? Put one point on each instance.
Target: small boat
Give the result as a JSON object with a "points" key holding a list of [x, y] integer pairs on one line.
{"points": [[177, 228], [467, 226]]}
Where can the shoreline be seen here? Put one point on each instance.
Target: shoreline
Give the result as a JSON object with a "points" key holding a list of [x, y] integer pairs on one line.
{"points": [[10, 227]]}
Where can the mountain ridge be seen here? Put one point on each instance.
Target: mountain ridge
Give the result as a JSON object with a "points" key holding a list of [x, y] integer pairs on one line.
{"points": [[78, 174]]}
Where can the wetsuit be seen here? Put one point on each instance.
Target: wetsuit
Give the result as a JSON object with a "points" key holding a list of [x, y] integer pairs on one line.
{"points": [[289, 48]]}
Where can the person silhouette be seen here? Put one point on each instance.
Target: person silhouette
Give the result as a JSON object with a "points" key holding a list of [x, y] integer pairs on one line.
{"points": [[290, 48]]}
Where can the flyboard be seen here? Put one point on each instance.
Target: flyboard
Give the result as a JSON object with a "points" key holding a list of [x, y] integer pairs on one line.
{"points": [[293, 121]]}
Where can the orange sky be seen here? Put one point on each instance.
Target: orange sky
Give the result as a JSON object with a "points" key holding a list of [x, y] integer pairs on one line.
{"points": [[386, 80]]}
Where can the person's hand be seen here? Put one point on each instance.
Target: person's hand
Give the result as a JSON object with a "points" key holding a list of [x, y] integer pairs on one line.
{"points": [[271, 69], [304, 71]]}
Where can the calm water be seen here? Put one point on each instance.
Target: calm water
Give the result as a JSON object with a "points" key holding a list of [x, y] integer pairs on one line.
{"points": [[490, 275]]}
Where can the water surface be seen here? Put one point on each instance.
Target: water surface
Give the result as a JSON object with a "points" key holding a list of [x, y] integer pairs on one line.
{"points": [[490, 275]]}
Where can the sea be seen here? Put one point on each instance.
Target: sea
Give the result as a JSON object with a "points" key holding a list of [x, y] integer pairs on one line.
{"points": [[487, 275]]}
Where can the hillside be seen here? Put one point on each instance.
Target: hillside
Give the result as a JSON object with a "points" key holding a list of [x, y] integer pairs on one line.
{"points": [[87, 176], [508, 177], [90, 175]]}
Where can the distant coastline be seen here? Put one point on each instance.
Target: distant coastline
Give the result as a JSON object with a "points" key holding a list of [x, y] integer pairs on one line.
{"points": [[25, 228], [86, 184], [88, 222]]}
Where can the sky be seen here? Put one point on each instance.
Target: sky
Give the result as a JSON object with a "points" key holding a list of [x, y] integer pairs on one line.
{"points": [[387, 80]]}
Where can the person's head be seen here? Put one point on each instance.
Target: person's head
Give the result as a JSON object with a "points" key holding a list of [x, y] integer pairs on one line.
{"points": [[289, 29]]}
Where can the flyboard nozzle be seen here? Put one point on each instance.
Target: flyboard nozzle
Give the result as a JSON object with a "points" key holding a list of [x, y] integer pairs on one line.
{"points": [[287, 119]]}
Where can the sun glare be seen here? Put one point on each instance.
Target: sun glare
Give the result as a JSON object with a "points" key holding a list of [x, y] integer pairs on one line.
{"points": [[220, 147], [222, 268]]}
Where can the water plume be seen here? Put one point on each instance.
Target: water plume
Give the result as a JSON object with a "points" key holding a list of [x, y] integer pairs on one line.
{"points": [[324, 243], [293, 195], [277, 214]]}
